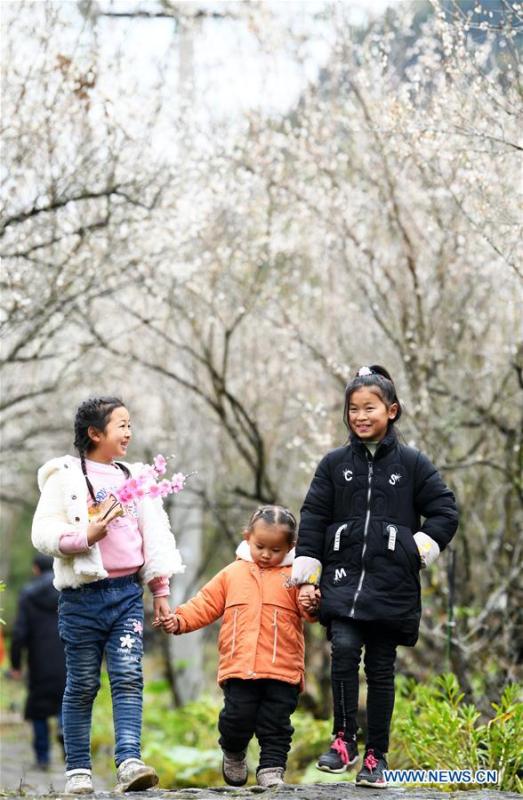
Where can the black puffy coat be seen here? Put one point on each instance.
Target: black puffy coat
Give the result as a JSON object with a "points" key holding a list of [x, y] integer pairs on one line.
{"points": [[36, 630], [359, 518]]}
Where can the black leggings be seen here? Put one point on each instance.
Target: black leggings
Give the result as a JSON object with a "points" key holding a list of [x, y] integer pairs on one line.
{"points": [[347, 639], [262, 707]]}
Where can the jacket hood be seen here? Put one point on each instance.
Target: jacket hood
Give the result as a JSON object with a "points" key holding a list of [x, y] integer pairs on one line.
{"points": [[243, 551], [51, 466], [42, 594]]}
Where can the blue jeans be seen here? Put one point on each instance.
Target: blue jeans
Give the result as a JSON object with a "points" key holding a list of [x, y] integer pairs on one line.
{"points": [[41, 742], [348, 638], [104, 616]]}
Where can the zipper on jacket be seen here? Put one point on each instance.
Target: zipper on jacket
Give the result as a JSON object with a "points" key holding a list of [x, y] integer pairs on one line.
{"points": [[233, 643], [275, 626], [366, 528]]}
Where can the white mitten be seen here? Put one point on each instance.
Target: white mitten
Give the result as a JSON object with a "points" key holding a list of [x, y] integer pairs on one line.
{"points": [[428, 548]]}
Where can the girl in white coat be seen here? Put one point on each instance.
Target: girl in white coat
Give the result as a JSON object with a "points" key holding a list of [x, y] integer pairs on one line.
{"points": [[103, 551]]}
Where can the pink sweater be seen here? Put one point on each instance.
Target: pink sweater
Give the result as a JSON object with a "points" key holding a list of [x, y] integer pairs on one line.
{"points": [[122, 548]]}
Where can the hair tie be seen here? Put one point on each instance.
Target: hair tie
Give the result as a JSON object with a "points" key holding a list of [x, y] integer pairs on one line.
{"points": [[364, 371]]}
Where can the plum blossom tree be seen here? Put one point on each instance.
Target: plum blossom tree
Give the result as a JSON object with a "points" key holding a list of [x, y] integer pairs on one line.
{"points": [[233, 281]]}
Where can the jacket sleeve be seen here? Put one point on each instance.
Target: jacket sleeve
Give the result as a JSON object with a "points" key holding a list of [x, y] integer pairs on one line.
{"points": [[50, 520], [315, 516], [162, 557], [434, 501], [206, 607], [20, 633]]}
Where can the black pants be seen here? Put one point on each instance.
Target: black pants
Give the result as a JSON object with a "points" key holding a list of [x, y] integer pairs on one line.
{"points": [[348, 637], [262, 707]]}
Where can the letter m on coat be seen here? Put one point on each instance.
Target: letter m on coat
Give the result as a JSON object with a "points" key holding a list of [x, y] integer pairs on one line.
{"points": [[339, 574]]}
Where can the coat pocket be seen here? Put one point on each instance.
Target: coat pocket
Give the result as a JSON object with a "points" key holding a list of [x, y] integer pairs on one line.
{"points": [[287, 636], [400, 546], [230, 630], [340, 536]]}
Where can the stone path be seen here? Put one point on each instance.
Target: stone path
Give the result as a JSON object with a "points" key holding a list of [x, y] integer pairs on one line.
{"points": [[332, 791]]}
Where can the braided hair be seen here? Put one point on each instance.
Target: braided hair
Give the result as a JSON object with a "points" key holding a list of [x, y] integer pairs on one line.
{"points": [[377, 378], [94, 413], [275, 515]]}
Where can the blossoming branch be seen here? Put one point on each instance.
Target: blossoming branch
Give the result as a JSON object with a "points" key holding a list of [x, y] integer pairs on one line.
{"points": [[147, 483]]}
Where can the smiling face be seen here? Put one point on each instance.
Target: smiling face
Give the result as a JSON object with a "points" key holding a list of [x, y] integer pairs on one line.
{"points": [[268, 543], [112, 442], [368, 415]]}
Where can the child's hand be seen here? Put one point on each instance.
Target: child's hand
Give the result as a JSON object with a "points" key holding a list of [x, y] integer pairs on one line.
{"points": [[161, 610], [309, 597], [105, 512], [172, 624], [96, 530], [109, 509]]}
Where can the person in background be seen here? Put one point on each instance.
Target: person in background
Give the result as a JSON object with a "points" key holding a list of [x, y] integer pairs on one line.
{"points": [[36, 633]]}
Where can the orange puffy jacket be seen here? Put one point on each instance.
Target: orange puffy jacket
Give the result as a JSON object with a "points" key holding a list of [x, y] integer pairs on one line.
{"points": [[261, 635]]}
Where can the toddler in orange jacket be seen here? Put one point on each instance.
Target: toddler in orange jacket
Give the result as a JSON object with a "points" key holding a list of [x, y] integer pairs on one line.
{"points": [[261, 644]]}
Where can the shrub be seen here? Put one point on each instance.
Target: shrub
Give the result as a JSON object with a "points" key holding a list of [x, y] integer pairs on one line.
{"points": [[434, 729]]}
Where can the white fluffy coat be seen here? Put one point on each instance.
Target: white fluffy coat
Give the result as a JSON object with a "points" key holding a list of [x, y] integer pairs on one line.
{"points": [[63, 508]]}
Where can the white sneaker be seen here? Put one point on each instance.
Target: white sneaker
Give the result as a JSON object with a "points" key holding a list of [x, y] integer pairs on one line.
{"points": [[270, 776], [79, 781], [135, 776], [234, 768]]}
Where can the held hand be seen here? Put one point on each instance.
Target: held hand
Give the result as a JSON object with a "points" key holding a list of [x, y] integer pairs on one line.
{"points": [[171, 624], [161, 610], [309, 597]]}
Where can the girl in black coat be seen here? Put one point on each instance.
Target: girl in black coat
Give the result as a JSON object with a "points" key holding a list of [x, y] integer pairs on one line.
{"points": [[360, 547]]}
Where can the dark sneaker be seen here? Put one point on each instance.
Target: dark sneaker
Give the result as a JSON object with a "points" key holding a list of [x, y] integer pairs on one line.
{"points": [[234, 768], [371, 773], [341, 755]]}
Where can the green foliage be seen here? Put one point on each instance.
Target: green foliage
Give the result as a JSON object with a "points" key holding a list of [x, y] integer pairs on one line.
{"points": [[183, 747], [2, 589], [19, 556], [434, 728]]}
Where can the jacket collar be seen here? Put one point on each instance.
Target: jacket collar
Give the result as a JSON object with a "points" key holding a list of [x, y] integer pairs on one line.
{"points": [[388, 442], [71, 464], [243, 552]]}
